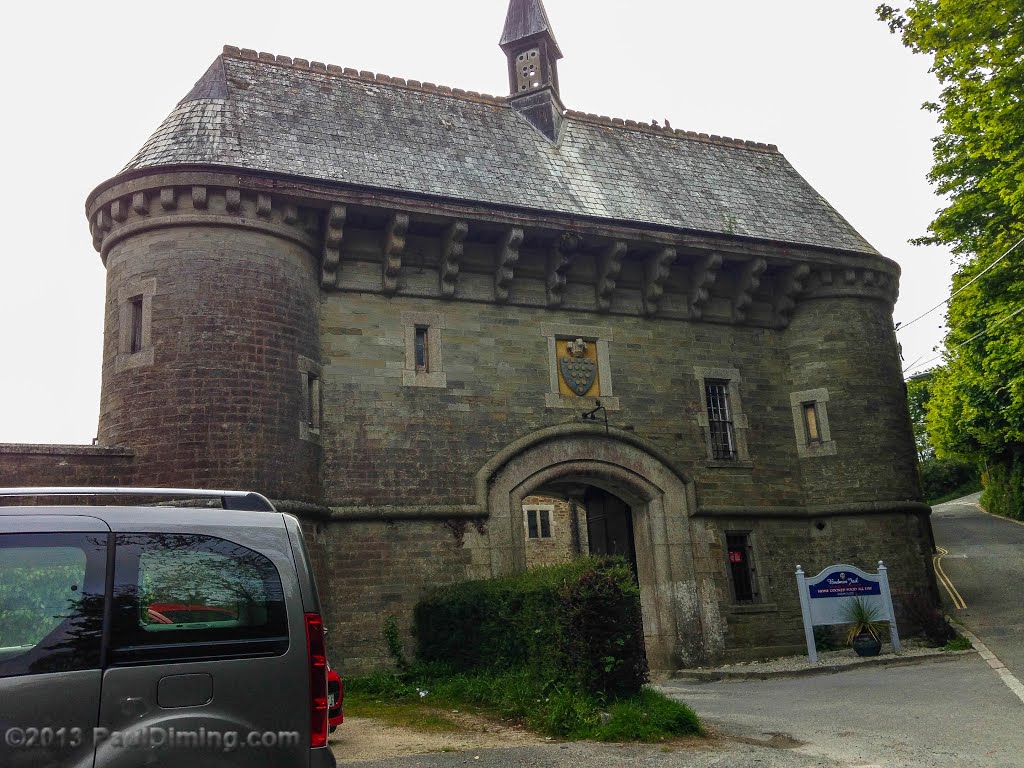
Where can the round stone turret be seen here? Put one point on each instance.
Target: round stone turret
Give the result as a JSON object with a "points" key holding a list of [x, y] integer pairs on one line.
{"points": [[211, 352]]}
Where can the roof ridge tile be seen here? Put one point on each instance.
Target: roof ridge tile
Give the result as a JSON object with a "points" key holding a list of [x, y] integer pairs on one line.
{"points": [[459, 93]]}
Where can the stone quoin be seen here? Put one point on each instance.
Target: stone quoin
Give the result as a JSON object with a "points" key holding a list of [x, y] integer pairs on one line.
{"points": [[386, 304]]}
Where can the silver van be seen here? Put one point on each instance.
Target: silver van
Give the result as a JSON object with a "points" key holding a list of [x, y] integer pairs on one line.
{"points": [[158, 635]]}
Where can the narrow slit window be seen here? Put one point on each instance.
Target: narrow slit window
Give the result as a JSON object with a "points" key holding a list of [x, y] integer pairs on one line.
{"points": [[422, 356], [720, 421], [313, 401], [811, 428], [742, 574], [135, 342]]}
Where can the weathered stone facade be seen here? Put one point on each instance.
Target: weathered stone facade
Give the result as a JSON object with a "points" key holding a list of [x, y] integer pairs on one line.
{"points": [[357, 294]]}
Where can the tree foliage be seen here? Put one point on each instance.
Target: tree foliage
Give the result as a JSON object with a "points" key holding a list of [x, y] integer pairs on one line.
{"points": [[976, 405]]}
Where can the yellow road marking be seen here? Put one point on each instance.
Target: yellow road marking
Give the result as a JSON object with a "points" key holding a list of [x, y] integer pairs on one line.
{"points": [[958, 601]]}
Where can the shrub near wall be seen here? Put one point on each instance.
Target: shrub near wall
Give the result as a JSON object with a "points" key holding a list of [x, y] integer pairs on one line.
{"points": [[1004, 488], [577, 624]]}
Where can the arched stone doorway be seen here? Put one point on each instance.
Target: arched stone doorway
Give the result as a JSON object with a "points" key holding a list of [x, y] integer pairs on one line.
{"points": [[682, 626]]}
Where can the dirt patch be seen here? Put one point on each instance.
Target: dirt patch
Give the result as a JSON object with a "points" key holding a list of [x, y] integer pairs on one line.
{"points": [[361, 738]]}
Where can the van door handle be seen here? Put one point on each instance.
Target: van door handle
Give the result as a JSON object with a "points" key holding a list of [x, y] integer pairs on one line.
{"points": [[133, 707]]}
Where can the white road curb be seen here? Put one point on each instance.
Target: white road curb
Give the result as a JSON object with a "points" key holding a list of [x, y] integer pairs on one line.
{"points": [[1008, 678]]}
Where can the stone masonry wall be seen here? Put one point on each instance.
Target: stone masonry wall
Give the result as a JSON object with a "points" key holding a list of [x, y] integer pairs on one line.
{"points": [[390, 444], [218, 402], [382, 569], [63, 465]]}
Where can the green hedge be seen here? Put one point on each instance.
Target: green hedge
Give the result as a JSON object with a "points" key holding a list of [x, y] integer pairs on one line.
{"points": [[577, 624], [1004, 488]]}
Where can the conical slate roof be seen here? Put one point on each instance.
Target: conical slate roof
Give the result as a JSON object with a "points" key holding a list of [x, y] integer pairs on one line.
{"points": [[527, 18], [255, 113]]}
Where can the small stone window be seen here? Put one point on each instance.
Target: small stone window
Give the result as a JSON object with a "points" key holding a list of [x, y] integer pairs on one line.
{"points": [[538, 522], [720, 414], [135, 324], [742, 571], [528, 69], [312, 398], [422, 349], [810, 423], [136, 335], [423, 365]]}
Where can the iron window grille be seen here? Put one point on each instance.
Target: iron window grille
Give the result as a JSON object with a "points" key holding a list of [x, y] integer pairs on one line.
{"points": [[720, 421]]}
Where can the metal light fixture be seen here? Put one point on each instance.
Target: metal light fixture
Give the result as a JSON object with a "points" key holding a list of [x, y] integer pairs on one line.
{"points": [[592, 415]]}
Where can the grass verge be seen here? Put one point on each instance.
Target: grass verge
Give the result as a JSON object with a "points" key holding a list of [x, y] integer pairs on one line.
{"points": [[419, 698]]}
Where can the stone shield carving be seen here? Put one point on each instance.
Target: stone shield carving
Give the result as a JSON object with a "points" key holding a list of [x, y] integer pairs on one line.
{"points": [[578, 371]]}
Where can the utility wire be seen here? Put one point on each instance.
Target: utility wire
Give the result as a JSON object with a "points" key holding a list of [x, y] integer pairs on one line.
{"points": [[962, 287], [982, 332]]}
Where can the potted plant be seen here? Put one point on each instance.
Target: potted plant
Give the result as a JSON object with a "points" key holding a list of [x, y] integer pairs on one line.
{"points": [[864, 627]]}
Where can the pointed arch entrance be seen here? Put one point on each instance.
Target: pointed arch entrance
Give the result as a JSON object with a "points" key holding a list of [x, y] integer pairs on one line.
{"points": [[677, 595]]}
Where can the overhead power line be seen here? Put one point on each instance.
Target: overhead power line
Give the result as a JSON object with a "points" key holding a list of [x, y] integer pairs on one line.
{"points": [[962, 287], [982, 332]]}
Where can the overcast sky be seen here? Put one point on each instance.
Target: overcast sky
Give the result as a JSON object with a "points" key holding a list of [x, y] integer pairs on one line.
{"points": [[87, 84]]}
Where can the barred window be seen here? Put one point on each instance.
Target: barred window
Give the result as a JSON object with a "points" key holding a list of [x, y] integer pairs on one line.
{"points": [[720, 420]]}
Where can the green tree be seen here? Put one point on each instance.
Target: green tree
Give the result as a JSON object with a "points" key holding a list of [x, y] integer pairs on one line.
{"points": [[976, 406]]}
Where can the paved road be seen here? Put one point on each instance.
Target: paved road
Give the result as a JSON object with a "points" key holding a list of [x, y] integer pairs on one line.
{"points": [[986, 566], [943, 714]]}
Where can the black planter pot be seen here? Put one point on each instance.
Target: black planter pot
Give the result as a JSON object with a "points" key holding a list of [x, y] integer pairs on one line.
{"points": [[866, 644]]}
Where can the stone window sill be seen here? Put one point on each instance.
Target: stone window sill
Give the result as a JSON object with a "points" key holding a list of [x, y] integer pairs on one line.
{"points": [[754, 608], [720, 464]]}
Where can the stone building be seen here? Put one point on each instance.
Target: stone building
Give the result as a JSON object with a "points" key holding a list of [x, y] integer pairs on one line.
{"points": [[400, 309]]}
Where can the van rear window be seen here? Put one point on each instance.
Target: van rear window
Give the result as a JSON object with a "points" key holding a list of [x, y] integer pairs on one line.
{"points": [[182, 596]]}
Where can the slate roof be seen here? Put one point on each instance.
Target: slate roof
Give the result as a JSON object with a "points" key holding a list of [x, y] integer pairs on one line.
{"points": [[527, 18], [290, 117]]}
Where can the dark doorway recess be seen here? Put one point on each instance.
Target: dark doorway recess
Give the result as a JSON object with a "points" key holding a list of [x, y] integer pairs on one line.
{"points": [[610, 526]]}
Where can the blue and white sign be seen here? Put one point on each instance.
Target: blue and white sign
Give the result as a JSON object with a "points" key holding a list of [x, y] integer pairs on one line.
{"points": [[844, 584], [823, 598]]}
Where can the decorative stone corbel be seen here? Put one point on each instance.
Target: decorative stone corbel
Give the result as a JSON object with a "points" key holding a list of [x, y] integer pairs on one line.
{"points": [[656, 272], [563, 254], [705, 273], [140, 203], [118, 211], [233, 200], [263, 205], [101, 225], [749, 282], [608, 270], [168, 198], [790, 287], [334, 233], [199, 198], [452, 249], [394, 247], [508, 256]]}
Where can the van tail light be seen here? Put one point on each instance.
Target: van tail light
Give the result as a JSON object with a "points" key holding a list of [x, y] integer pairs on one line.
{"points": [[317, 650]]}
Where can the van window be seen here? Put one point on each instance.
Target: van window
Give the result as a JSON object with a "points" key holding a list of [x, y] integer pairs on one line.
{"points": [[51, 602], [183, 596]]}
